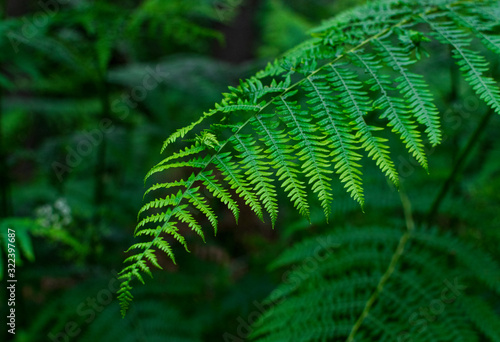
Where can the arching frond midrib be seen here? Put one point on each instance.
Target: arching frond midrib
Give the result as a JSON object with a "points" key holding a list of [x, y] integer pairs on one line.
{"points": [[317, 152]]}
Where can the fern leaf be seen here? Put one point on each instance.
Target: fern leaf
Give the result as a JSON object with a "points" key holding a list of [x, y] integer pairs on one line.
{"points": [[395, 109], [336, 125], [151, 257], [471, 63], [220, 192], [356, 104], [243, 106], [174, 184], [276, 140], [310, 149], [165, 246], [257, 172], [184, 216], [478, 26], [140, 265], [180, 133], [413, 87], [237, 182], [254, 89], [188, 151], [201, 204], [160, 203], [198, 163], [160, 217]]}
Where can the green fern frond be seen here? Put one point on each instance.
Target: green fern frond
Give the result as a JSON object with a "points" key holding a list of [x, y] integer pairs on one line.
{"points": [[157, 186], [237, 182], [188, 151], [394, 108], [310, 149], [332, 277], [202, 205], [200, 162], [241, 105], [356, 104], [481, 28], [336, 125], [471, 63], [310, 118], [161, 202], [413, 88], [257, 172], [184, 216], [254, 89], [280, 156], [220, 192], [483, 316], [181, 132]]}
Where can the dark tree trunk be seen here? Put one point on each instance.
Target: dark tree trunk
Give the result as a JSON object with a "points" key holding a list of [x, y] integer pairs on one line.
{"points": [[239, 33]]}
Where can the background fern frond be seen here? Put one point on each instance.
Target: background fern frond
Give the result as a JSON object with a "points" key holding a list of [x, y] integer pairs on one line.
{"points": [[331, 277]]}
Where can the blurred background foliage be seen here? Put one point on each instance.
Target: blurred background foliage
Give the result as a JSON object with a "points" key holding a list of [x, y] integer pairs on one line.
{"points": [[88, 92]]}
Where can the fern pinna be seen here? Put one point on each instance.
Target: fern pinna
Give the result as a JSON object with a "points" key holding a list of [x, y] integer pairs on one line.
{"points": [[311, 116]]}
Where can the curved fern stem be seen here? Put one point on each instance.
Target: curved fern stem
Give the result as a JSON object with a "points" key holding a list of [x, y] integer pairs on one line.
{"points": [[410, 227]]}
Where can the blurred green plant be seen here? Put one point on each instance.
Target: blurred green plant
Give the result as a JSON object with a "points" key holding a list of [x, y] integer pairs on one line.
{"points": [[22, 241], [340, 287]]}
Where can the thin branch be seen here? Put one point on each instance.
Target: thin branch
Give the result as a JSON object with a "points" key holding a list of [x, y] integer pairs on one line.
{"points": [[458, 166], [410, 227]]}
